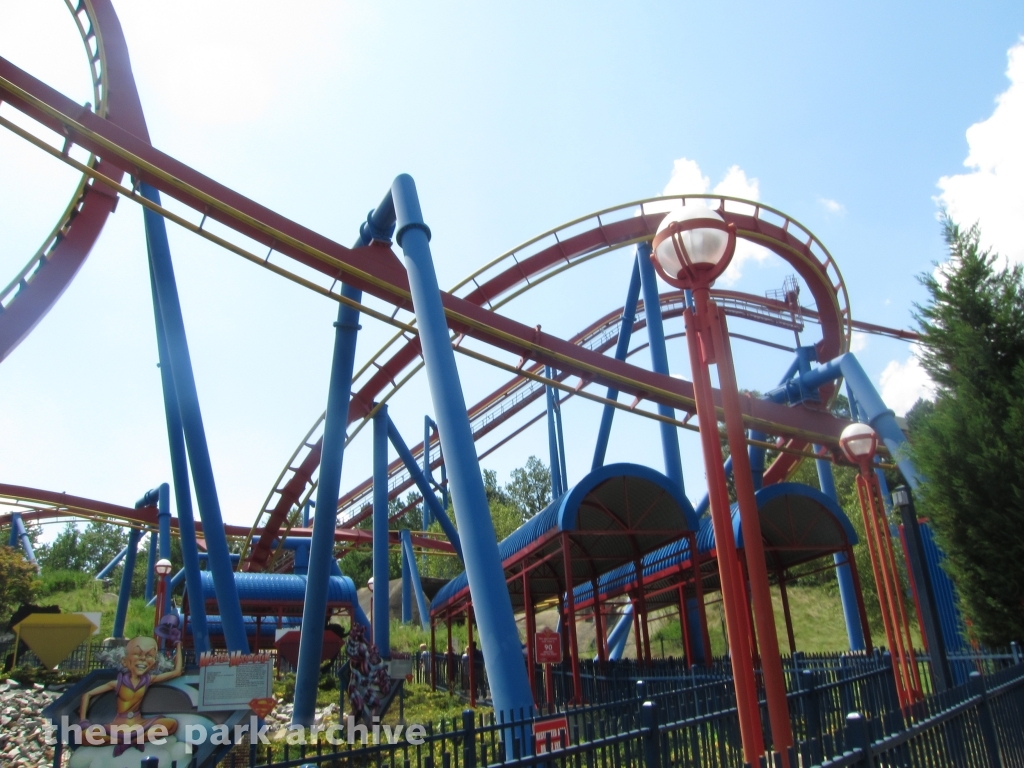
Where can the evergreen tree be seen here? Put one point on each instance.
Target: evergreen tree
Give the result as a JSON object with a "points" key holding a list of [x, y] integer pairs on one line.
{"points": [[970, 444]]}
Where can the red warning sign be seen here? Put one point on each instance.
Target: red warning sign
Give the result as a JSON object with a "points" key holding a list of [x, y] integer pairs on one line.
{"points": [[549, 647], [553, 731]]}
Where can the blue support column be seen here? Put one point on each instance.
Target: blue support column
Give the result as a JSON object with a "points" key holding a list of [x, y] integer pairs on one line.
{"points": [[621, 349], [192, 426], [378, 226], [414, 576], [306, 512], [847, 588], [125, 592], [427, 517], [499, 636], [106, 570], [19, 534], [557, 486], [151, 564], [659, 361], [620, 632], [427, 492], [406, 588], [182, 488], [381, 614], [560, 434]]}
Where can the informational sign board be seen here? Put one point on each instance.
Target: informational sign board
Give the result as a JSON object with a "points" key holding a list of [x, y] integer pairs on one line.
{"points": [[399, 668], [231, 681], [557, 728], [548, 647]]}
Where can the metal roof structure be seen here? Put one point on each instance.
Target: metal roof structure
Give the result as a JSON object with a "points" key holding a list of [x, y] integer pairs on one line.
{"points": [[614, 516]]}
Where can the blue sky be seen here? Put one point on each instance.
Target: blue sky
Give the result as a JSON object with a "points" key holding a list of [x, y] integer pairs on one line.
{"points": [[513, 118]]}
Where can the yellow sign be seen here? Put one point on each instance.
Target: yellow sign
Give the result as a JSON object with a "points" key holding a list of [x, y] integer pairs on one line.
{"points": [[53, 636]]}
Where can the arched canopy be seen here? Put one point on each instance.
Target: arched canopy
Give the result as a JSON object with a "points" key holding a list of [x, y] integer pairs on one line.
{"points": [[798, 524], [615, 515]]}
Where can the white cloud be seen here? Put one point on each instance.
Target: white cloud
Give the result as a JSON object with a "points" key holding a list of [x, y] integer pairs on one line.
{"points": [[687, 179], [992, 192], [902, 384], [832, 206], [858, 341]]}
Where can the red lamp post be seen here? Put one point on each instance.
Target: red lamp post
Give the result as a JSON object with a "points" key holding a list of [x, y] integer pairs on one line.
{"points": [[162, 570], [859, 442], [692, 247]]}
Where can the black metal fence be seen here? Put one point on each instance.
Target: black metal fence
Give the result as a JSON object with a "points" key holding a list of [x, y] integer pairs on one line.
{"points": [[844, 713]]}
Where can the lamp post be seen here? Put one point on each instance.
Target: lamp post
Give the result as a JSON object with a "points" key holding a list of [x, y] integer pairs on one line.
{"points": [[692, 247], [860, 442], [162, 569]]}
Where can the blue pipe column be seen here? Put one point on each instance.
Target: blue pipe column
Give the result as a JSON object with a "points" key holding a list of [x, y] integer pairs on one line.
{"points": [[306, 511], [182, 489], [427, 492], [499, 636], [414, 576], [560, 434], [19, 533], [847, 588], [151, 564], [380, 616], [126, 582], [620, 632], [406, 588], [173, 324], [557, 486], [621, 349], [427, 422], [659, 361], [377, 226], [105, 571]]}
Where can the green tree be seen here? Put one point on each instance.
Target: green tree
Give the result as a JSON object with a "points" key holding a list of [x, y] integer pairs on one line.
{"points": [[970, 445], [530, 487], [18, 582], [83, 550]]}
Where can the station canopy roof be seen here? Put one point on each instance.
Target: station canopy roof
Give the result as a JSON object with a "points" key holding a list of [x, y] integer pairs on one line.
{"points": [[798, 524], [615, 515]]}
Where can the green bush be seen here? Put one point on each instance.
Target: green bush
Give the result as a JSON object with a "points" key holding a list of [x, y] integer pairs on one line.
{"points": [[62, 581]]}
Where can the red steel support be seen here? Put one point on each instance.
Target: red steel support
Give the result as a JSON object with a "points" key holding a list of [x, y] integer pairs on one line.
{"points": [[570, 618], [747, 705], [750, 522]]}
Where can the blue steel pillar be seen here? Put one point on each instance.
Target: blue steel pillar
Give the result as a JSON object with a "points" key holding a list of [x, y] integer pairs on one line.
{"points": [[414, 576], [109, 567], [19, 535], [617, 637], [126, 582], [173, 324], [429, 499], [847, 588], [182, 490], [427, 520], [621, 348], [378, 226], [659, 361], [499, 636], [150, 565], [557, 484], [406, 589], [380, 616]]}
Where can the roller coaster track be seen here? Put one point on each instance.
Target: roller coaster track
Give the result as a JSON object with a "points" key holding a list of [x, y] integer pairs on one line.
{"points": [[36, 288], [513, 397], [319, 264], [536, 261], [35, 504]]}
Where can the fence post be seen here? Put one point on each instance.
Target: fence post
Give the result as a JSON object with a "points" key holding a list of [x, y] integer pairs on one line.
{"points": [[468, 739], [1015, 650], [988, 728], [857, 737], [812, 714], [649, 727]]}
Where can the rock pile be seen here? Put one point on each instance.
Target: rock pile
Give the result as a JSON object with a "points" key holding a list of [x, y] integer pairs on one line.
{"points": [[22, 725]]}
